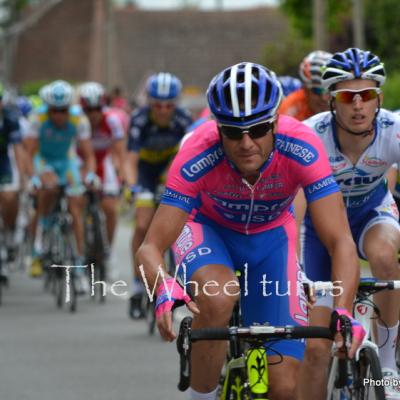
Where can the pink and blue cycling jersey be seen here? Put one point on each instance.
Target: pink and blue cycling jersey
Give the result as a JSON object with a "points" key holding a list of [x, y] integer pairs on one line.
{"points": [[249, 228], [203, 182]]}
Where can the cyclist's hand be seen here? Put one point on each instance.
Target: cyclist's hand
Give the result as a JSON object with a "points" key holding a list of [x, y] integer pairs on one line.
{"points": [[169, 296], [34, 183], [351, 344], [311, 298], [91, 179]]}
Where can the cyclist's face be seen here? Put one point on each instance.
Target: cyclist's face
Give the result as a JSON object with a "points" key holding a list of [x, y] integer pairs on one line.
{"points": [[94, 115], [318, 101], [59, 116], [248, 154], [162, 111], [358, 114]]}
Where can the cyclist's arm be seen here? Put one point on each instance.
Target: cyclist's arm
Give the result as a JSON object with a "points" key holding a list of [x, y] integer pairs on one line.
{"points": [[86, 150], [329, 219], [391, 176], [160, 236], [31, 145], [20, 157], [132, 158], [131, 167], [118, 155]]}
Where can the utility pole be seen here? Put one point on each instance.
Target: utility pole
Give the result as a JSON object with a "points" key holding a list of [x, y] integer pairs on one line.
{"points": [[110, 61], [358, 24], [319, 25], [96, 56]]}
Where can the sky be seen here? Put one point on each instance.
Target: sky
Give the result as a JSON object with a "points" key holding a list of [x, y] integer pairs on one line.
{"points": [[204, 4]]}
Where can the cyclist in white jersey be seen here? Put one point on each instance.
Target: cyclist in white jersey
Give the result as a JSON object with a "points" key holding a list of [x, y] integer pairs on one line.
{"points": [[362, 141]]}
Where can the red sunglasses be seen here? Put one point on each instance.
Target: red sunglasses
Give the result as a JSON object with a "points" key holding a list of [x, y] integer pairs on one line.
{"points": [[347, 96]]}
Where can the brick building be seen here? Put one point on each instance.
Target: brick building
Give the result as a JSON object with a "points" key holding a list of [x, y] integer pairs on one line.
{"points": [[71, 41]]}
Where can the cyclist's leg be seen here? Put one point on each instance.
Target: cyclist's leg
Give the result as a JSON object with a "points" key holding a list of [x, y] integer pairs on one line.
{"points": [[208, 269], [380, 242], [314, 369], [46, 198], [69, 174], [109, 202], [9, 191], [9, 186], [148, 177]]}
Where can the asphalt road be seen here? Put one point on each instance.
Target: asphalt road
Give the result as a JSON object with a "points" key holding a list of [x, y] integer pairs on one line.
{"points": [[95, 354]]}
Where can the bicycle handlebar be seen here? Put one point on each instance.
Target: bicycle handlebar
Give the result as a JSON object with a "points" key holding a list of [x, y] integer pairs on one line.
{"points": [[374, 285], [261, 332]]}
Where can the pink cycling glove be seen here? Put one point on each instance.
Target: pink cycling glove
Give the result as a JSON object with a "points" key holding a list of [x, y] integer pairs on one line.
{"points": [[170, 295], [357, 329]]}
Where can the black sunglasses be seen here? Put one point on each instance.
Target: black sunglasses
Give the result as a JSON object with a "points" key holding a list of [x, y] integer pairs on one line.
{"points": [[59, 110], [92, 109], [255, 131]]}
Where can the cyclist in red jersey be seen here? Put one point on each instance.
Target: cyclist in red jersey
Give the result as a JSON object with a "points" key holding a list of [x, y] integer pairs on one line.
{"points": [[108, 133]]}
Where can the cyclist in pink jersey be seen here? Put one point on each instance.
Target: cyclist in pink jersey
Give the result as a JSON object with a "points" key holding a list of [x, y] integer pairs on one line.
{"points": [[227, 206]]}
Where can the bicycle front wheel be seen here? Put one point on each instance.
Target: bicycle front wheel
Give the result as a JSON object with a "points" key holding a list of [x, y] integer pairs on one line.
{"points": [[347, 378], [369, 367]]}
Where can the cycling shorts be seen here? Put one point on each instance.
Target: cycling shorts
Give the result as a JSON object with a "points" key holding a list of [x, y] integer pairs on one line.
{"points": [[66, 170], [149, 178], [108, 176], [314, 256], [268, 257]]}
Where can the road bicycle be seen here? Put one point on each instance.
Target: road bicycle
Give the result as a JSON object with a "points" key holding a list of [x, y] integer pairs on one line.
{"points": [[245, 375], [59, 250], [346, 376], [246, 370], [97, 247]]}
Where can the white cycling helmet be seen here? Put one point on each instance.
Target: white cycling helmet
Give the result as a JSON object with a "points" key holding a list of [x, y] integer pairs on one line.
{"points": [[311, 68], [92, 94], [353, 63], [57, 94]]}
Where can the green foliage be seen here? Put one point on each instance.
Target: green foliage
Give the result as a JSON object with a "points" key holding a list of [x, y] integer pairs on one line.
{"points": [[391, 90], [32, 87], [382, 21], [292, 49], [300, 15]]}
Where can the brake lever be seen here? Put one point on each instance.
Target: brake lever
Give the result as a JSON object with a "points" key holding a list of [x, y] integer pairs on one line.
{"points": [[184, 347]]}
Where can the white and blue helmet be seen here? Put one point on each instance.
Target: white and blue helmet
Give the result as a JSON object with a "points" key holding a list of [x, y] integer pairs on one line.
{"points": [[244, 94], [163, 86], [353, 63], [57, 94]]}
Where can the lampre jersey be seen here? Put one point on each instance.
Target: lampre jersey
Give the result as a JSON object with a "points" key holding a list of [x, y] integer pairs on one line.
{"points": [[203, 182]]}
